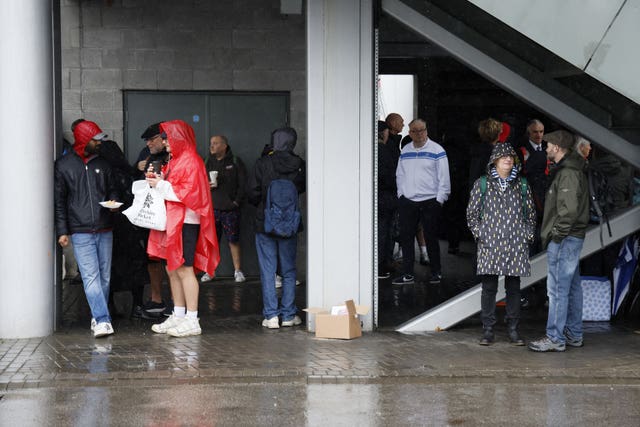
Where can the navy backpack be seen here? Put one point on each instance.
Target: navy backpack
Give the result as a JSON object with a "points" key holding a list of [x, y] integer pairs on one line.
{"points": [[281, 211]]}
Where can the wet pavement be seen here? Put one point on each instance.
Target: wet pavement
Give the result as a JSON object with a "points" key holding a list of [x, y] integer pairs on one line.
{"points": [[239, 373]]}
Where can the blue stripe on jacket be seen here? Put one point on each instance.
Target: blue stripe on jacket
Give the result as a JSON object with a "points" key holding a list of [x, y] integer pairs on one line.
{"points": [[423, 154]]}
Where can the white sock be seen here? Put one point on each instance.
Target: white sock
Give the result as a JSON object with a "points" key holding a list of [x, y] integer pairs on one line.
{"points": [[179, 311], [423, 251], [192, 314]]}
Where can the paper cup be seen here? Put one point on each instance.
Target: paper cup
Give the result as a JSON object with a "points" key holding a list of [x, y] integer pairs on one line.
{"points": [[213, 177]]}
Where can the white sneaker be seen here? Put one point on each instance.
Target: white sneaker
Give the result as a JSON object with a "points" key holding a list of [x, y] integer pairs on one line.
{"points": [[102, 329], [162, 328], [279, 282], [239, 276], [93, 324], [186, 328], [271, 323], [293, 322], [206, 278]]}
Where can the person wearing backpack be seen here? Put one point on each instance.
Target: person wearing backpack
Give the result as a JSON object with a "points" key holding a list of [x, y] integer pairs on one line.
{"points": [[502, 218], [273, 187]]}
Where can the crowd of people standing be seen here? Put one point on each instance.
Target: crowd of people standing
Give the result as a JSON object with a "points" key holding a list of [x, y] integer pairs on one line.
{"points": [[93, 185]]}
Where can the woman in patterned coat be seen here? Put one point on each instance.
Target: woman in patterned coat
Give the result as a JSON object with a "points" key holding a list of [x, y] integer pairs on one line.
{"points": [[502, 218]]}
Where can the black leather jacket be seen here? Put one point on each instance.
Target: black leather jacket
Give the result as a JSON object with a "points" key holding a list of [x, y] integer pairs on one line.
{"points": [[78, 189]]}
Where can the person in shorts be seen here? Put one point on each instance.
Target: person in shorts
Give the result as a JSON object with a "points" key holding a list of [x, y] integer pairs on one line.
{"points": [[189, 241], [227, 194]]}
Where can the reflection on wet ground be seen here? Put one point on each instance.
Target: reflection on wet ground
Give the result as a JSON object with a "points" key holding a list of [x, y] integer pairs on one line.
{"points": [[239, 373], [326, 404]]}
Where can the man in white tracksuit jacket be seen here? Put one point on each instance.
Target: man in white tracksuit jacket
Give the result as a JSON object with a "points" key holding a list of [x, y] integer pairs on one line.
{"points": [[423, 184]]}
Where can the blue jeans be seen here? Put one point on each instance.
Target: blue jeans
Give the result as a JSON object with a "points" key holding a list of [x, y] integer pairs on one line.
{"points": [[93, 255], [564, 289], [270, 251]]}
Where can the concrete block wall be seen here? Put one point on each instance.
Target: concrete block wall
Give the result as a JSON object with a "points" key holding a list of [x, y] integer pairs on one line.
{"points": [[111, 45]]}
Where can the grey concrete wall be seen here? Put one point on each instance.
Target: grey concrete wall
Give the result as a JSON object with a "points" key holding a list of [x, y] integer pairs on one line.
{"points": [[108, 46]]}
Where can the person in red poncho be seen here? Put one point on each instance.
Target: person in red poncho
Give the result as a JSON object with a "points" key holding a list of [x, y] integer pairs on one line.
{"points": [[189, 241]]}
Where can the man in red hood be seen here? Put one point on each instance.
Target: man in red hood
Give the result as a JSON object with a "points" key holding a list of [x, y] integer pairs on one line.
{"points": [[83, 180], [190, 239]]}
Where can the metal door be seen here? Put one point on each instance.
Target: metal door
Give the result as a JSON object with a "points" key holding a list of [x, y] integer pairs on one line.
{"points": [[246, 119]]}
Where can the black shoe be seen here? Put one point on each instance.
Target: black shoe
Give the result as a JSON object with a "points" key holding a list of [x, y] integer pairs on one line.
{"points": [[153, 310], [487, 337], [525, 304], [424, 260], [514, 338], [405, 279], [168, 311], [435, 278], [384, 274], [137, 312]]}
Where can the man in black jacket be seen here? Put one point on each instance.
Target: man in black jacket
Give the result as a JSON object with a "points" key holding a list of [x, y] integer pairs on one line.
{"points": [[387, 200], [153, 157], [282, 163], [227, 193], [82, 181]]}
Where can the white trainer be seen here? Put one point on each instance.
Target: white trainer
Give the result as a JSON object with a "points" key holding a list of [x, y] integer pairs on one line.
{"points": [[186, 328], [271, 323], [279, 282], [102, 329], [239, 276], [292, 322], [206, 278], [162, 328], [93, 324]]}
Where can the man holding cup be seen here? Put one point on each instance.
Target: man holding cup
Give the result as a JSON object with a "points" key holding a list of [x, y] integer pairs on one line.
{"points": [[227, 179]]}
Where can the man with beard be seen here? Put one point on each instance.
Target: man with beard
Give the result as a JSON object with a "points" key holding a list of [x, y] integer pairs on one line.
{"points": [[83, 180], [152, 158]]}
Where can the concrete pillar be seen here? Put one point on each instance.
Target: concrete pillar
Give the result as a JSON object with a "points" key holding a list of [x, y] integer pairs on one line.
{"points": [[340, 115], [26, 172]]}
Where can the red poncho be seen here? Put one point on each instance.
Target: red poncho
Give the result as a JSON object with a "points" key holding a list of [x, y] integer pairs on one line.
{"points": [[188, 177]]}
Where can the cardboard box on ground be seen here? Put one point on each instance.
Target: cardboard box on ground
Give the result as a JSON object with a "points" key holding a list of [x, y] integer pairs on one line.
{"points": [[340, 322]]}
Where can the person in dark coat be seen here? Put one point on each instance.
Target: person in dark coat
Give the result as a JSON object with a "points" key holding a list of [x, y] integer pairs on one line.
{"points": [[282, 163], [82, 181], [503, 223], [387, 200], [152, 158], [227, 194], [489, 131]]}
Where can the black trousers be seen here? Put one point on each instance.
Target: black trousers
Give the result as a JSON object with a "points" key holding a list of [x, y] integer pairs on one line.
{"points": [[427, 212], [488, 299], [385, 219]]}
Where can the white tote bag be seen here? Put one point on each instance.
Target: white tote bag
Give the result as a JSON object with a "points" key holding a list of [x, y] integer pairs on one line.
{"points": [[148, 209]]}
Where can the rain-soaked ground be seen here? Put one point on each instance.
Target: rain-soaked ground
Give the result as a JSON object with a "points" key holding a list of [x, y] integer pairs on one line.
{"points": [[239, 373]]}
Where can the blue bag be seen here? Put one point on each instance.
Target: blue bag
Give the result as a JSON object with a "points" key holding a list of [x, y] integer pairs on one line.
{"points": [[282, 212]]}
